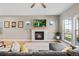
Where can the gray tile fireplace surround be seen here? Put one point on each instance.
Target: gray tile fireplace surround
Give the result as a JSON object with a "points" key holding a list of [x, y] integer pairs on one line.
{"points": [[54, 50]]}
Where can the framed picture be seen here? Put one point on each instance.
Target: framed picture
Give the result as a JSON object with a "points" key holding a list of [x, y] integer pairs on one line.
{"points": [[6, 24], [13, 24], [20, 24]]}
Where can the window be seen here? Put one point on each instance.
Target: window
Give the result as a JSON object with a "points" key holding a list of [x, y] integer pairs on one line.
{"points": [[68, 29], [71, 30], [77, 31]]}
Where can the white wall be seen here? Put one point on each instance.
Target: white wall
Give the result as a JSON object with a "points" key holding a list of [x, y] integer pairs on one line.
{"points": [[17, 33]]}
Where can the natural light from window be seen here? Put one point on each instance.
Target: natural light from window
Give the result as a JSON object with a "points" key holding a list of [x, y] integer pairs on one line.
{"points": [[68, 29]]}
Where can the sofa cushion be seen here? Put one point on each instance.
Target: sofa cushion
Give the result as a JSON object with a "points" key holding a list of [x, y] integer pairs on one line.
{"points": [[73, 53], [50, 53], [40, 53], [15, 54]]}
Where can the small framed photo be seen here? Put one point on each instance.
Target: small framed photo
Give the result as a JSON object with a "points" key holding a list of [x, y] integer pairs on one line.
{"points": [[6, 24], [13, 24], [20, 24]]}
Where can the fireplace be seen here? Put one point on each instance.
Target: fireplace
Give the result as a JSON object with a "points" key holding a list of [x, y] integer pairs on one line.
{"points": [[39, 35]]}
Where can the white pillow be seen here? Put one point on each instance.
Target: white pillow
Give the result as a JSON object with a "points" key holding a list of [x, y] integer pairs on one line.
{"points": [[15, 47]]}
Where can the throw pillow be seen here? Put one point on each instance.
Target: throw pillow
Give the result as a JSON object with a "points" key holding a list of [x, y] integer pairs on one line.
{"points": [[69, 48], [23, 48], [15, 47]]}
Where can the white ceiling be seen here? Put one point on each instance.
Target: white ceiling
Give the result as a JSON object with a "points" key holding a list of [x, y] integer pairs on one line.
{"points": [[24, 8]]}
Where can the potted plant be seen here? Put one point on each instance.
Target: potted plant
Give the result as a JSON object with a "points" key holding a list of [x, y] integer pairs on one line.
{"points": [[57, 35]]}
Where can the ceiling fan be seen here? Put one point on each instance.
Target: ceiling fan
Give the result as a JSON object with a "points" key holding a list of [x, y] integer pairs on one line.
{"points": [[42, 4]]}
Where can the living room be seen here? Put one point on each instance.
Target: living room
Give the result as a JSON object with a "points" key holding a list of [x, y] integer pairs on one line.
{"points": [[39, 29]]}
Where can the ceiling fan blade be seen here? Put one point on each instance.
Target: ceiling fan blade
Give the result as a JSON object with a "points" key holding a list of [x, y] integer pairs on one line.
{"points": [[32, 5], [43, 5]]}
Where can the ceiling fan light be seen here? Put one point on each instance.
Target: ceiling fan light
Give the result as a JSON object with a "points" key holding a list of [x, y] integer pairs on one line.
{"points": [[42, 4], [32, 5]]}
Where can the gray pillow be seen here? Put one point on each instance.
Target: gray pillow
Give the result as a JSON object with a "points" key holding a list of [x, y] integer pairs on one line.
{"points": [[58, 46]]}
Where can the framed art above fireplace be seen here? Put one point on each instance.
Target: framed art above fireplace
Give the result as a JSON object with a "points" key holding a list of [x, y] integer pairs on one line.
{"points": [[39, 23]]}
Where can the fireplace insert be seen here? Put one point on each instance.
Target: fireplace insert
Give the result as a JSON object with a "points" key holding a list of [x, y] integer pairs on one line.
{"points": [[39, 35]]}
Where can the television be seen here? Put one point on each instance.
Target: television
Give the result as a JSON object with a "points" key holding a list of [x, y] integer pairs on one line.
{"points": [[39, 23]]}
